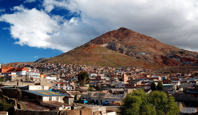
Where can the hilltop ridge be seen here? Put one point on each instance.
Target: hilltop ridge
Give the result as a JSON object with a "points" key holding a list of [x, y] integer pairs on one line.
{"points": [[125, 47]]}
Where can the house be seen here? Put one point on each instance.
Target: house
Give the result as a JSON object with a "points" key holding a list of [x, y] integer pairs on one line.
{"points": [[188, 110], [3, 113], [32, 74], [42, 93], [177, 83], [75, 94], [7, 69], [169, 87], [45, 95], [52, 78], [92, 75], [156, 78], [38, 87], [21, 71], [102, 97]]}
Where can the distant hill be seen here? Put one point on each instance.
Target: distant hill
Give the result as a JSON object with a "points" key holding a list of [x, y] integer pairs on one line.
{"points": [[40, 60], [124, 47], [17, 63]]}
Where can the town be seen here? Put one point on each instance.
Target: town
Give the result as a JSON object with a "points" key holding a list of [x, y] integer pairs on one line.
{"points": [[57, 89]]}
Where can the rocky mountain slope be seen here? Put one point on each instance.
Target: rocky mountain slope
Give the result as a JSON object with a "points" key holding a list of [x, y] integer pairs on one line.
{"points": [[124, 47]]}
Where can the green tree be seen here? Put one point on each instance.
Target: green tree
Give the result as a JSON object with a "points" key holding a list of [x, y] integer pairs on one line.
{"points": [[83, 78], [155, 103], [153, 86], [148, 109], [172, 106], [131, 105], [160, 86], [159, 100]]}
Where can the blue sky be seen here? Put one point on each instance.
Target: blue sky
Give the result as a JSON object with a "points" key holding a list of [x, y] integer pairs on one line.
{"points": [[10, 52], [16, 53], [32, 29]]}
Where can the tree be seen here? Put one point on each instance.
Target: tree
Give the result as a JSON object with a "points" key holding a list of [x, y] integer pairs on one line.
{"points": [[159, 100], [172, 106], [131, 105], [148, 109], [160, 86], [153, 86], [155, 103], [83, 78]]}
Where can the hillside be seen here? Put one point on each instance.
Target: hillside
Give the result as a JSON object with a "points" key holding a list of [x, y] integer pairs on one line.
{"points": [[96, 55], [124, 47]]}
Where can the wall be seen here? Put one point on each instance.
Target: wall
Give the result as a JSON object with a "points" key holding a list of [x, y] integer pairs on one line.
{"points": [[21, 112], [101, 109], [84, 111], [54, 98], [111, 113], [45, 98], [61, 99], [51, 78], [70, 101], [38, 87], [21, 73], [3, 113]]}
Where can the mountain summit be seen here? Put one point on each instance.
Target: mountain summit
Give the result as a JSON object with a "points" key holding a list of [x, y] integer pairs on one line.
{"points": [[124, 47]]}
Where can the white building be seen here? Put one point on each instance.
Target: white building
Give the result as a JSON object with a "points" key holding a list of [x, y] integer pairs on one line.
{"points": [[52, 78], [42, 93], [33, 74], [46, 95], [21, 73], [38, 87]]}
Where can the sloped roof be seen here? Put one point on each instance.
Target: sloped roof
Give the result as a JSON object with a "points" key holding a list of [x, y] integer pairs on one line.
{"points": [[46, 93]]}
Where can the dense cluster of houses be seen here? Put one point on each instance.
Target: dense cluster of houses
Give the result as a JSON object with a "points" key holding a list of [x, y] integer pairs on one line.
{"points": [[107, 85]]}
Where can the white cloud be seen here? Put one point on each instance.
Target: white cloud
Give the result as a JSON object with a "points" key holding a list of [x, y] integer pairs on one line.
{"points": [[171, 21], [49, 5], [37, 29], [31, 27], [29, 1]]}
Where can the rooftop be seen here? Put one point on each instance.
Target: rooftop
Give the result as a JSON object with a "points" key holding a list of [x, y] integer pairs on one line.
{"points": [[46, 93]]}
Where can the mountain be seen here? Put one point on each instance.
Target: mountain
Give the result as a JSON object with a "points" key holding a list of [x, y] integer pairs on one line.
{"points": [[124, 47]]}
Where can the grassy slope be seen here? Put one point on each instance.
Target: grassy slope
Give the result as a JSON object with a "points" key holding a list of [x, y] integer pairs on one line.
{"points": [[96, 55]]}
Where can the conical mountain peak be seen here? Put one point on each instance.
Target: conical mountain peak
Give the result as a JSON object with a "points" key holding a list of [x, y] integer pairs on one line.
{"points": [[124, 47]]}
